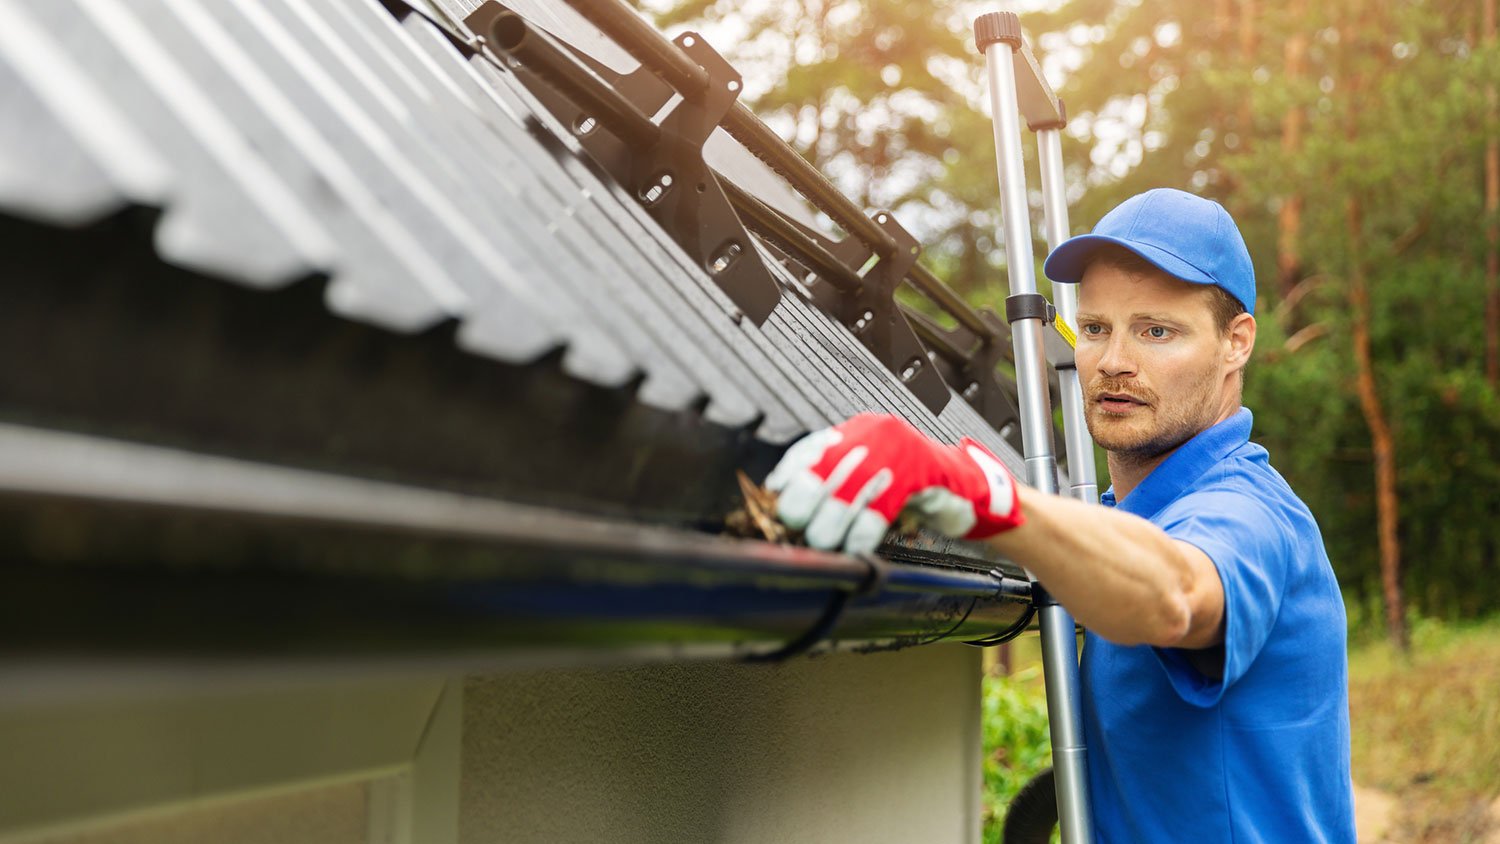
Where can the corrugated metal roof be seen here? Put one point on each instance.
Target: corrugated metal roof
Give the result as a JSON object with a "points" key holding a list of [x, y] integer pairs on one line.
{"points": [[284, 141]]}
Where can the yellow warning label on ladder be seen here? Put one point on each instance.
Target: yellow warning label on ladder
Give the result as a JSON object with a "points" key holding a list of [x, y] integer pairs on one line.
{"points": [[1066, 331]]}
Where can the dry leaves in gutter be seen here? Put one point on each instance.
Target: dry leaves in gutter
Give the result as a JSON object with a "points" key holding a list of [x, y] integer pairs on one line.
{"points": [[756, 518]]}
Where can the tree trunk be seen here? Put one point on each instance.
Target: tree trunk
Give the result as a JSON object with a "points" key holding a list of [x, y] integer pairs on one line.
{"points": [[1492, 222], [1289, 219], [1239, 122], [1247, 55], [1387, 511]]}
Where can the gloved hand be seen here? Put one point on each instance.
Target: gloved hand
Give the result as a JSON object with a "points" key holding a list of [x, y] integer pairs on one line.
{"points": [[845, 485]]}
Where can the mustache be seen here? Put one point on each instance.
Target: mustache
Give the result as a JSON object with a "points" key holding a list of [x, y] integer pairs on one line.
{"points": [[1121, 386]]}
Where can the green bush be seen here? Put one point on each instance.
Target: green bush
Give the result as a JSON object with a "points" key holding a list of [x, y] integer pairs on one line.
{"points": [[1017, 745]]}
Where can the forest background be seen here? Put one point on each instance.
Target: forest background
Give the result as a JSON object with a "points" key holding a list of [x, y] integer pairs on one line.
{"points": [[1354, 141]]}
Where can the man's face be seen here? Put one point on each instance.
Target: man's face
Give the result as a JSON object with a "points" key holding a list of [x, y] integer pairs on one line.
{"points": [[1155, 369]]}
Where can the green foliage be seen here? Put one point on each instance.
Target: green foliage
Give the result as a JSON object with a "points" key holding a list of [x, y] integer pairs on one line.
{"points": [[888, 97], [1017, 745], [1394, 121]]}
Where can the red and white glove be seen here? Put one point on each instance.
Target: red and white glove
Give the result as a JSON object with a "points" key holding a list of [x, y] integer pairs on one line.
{"points": [[845, 485]]}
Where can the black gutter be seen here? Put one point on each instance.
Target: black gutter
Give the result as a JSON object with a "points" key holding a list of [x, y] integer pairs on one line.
{"points": [[114, 548]]}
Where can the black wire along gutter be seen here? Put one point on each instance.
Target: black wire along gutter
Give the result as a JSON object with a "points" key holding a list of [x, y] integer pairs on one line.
{"points": [[113, 549]]}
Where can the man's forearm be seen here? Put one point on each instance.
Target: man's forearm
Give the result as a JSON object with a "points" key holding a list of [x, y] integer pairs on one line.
{"points": [[1119, 575]]}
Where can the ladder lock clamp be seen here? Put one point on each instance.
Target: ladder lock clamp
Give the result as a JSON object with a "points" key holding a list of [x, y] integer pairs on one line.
{"points": [[1029, 306]]}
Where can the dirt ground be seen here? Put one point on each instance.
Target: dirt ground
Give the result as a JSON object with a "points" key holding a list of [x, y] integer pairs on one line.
{"points": [[1374, 814], [1379, 819]]}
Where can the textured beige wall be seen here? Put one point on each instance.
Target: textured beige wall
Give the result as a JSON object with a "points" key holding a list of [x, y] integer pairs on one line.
{"points": [[228, 760], [877, 748], [336, 814]]}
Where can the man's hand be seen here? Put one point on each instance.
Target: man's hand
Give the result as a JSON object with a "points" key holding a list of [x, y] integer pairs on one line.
{"points": [[845, 485]]}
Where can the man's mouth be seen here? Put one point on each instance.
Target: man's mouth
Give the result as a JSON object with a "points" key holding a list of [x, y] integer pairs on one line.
{"points": [[1119, 402]]}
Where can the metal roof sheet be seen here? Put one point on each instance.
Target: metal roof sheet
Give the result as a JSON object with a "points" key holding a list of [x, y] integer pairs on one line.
{"points": [[283, 141]]}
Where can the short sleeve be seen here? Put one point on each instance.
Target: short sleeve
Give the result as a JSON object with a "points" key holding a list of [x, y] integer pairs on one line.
{"points": [[1251, 549]]}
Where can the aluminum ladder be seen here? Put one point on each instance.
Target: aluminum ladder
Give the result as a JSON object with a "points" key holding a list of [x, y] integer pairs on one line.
{"points": [[1042, 335]]}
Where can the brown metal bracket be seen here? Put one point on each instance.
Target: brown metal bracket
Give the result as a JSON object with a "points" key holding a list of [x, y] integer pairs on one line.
{"points": [[661, 163], [606, 112], [970, 362], [870, 311]]}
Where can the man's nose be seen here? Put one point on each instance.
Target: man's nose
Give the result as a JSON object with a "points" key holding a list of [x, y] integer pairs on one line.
{"points": [[1116, 362]]}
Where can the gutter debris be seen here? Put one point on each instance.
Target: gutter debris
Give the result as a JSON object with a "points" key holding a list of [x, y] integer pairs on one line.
{"points": [[756, 518]]}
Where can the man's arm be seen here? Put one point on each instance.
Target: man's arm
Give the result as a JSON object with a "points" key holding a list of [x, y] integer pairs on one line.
{"points": [[1119, 575]]}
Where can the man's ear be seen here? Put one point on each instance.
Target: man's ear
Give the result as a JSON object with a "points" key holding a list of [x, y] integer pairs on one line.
{"points": [[1241, 337]]}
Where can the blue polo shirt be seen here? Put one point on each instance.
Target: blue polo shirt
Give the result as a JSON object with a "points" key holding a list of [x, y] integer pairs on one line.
{"points": [[1261, 755]]}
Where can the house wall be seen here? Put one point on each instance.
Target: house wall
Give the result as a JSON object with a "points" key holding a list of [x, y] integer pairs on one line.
{"points": [[93, 755], [875, 748]]}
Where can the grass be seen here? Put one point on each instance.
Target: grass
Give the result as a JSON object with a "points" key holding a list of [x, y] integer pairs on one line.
{"points": [[1426, 727]]}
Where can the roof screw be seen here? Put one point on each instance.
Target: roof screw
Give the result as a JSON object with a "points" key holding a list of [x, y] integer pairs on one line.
{"points": [[737, 316]]}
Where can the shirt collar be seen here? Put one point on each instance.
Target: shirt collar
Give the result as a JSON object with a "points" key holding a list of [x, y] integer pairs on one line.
{"points": [[1185, 465]]}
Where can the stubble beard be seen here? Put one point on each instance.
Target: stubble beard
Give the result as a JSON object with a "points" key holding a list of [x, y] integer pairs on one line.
{"points": [[1171, 424]]}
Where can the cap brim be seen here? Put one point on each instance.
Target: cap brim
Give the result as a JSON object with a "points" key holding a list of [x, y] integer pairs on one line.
{"points": [[1068, 261]]}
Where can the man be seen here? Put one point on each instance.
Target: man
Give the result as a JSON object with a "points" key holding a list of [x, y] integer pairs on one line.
{"points": [[1215, 700]]}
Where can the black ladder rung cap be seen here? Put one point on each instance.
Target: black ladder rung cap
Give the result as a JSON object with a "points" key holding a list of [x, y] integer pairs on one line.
{"points": [[997, 28]]}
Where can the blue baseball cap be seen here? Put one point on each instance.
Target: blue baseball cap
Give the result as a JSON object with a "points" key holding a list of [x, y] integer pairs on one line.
{"points": [[1187, 236]]}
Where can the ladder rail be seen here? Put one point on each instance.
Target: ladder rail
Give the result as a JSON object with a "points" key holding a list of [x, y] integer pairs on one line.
{"points": [[1082, 481], [1026, 334], [998, 36]]}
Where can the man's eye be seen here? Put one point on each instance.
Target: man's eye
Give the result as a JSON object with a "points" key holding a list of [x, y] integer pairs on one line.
{"points": [[1093, 328], [1156, 332]]}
